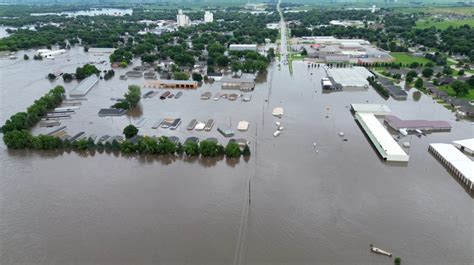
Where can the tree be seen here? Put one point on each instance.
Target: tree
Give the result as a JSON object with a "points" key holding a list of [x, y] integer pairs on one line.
{"points": [[26, 57], [86, 70], [232, 150], [181, 76], [208, 148], [419, 83], [166, 146], [414, 65], [197, 77], [397, 261], [191, 148], [67, 77], [470, 81], [17, 139], [304, 52], [51, 76], [133, 95], [246, 151], [460, 88], [461, 72], [427, 72], [130, 131]]}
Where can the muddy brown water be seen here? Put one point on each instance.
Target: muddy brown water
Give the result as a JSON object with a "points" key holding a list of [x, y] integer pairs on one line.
{"points": [[306, 207]]}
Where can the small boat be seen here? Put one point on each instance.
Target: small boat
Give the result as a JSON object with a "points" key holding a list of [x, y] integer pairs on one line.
{"points": [[275, 134], [178, 95], [341, 134], [379, 251], [277, 123], [280, 128]]}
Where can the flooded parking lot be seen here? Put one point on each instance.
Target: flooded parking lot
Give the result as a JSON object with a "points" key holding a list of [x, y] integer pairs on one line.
{"points": [[308, 204]]}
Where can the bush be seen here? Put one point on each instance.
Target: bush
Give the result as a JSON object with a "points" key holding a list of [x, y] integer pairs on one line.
{"points": [[181, 76], [208, 148], [197, 77], [26, 57], [246, 151], [427, 72], [86, 70], [130, 131]]}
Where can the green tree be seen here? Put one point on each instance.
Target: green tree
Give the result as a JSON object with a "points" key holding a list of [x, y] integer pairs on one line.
{"points": [[17, 139], [197, 77], [86, 70], [419, 83], [166, 146], [460, 88], [232, 150], [26, 57], [397, 261], [51, 76], [427, 72], [130, 131], [181, 76], [191, 148], [128, 147], [67, 77], [179, 149], [208, 148], [461, 72], [133, 95], [246, 151]]}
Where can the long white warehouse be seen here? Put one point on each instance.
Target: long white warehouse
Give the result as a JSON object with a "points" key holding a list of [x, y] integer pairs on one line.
{"points": [[456, 162], [84, 86], [381, 138]]}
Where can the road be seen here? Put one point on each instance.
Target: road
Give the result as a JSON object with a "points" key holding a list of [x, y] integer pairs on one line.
{"points": [[283, 49]]}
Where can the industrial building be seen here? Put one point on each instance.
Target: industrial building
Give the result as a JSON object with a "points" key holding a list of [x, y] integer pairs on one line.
{"points": [[163, 83], [243, 47], [456, 162], [376, 109], [411, 125], [381, 139], [350, 78], [242, 84], [330, 49], [84, 86], [466, 145]]}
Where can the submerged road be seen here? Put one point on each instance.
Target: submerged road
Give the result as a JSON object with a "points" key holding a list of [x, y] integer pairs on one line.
{"points": [[283, 49]]}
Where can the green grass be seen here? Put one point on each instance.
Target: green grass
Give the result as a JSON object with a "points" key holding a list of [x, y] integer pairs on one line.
{"points": [[444, 24], [406, 58], [450, 91], [439, 10]]}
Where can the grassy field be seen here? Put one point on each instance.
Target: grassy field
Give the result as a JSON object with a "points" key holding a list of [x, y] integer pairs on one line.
{"points": [[440, 10], [444, 24], [450, 91], [406, 58]]}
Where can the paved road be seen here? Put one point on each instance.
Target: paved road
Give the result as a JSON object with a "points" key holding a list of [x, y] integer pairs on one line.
{"points": [[283, 49]]}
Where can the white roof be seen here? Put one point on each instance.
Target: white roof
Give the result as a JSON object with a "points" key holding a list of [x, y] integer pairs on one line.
{"points": [[350, 77], [243, 126], [466, 143], [456, 158], [376, 109], [381, 138], [278, 111], [199, 126]]}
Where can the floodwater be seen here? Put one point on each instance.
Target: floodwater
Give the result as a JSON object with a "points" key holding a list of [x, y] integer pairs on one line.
{"points": [[90, 12], [308, 205]]}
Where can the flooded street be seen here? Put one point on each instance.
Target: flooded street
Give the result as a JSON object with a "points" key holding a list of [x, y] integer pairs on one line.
{"points": [[308, 205]]}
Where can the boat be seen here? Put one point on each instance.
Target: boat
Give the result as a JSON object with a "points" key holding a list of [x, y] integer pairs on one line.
{"points": [[277, 123], [178, 95], [280, 128], [379, 251], [276, 133], [191, 125], [209, 125], [165, 95]]}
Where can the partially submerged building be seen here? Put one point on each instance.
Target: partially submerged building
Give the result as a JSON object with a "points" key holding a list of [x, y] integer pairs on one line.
{"points": [[242, 84], [376, 109], [111, 112], [350, 77], [455, 161], [84, 86], [163, 83], [466, 145], [411, 125], [381, 139]]}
